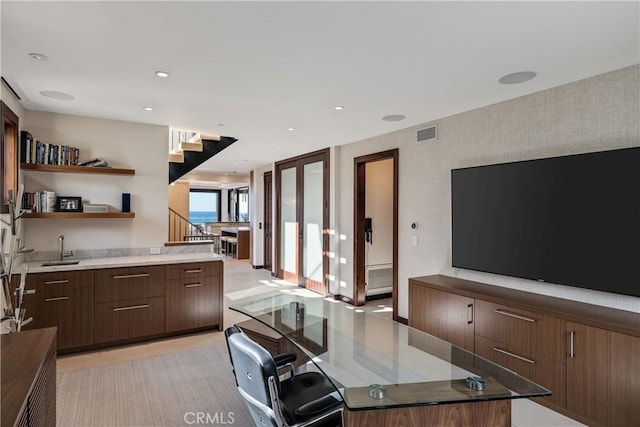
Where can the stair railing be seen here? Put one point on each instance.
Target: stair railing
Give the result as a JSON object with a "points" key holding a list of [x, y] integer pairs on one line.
{"points": [[181, 229]]}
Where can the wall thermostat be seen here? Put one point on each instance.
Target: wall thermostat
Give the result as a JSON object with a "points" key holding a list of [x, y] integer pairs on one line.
{"points": [[414, 225]]}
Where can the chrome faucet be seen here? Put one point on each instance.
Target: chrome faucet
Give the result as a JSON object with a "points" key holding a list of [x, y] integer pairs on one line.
{"points": [[61, 245]]}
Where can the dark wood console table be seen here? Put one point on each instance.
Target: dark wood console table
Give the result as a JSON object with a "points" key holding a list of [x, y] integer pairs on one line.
{"points": [[587, 355], [29, 378]]}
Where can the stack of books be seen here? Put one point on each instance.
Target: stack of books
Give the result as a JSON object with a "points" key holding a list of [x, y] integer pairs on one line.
{"points": [[42, 201], [33, 150]]}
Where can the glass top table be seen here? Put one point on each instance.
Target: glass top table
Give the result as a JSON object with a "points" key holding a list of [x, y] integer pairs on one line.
{"points": [[375, 362]]}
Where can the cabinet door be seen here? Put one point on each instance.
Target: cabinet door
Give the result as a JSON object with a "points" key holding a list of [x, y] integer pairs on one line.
{"points": [[193, 303], [121, 320], [71, 310], [602, 375], [445, 315]]}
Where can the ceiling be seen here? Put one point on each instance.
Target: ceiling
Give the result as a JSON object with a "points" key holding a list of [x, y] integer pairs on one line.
{"points": [[251, 70]]}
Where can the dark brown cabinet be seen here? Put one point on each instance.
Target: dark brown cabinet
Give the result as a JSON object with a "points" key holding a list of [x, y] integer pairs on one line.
{"points": [[194, 296], [28, 378], [64, 300], [445, 315], [585, 354], [604, 368], [129, 303], [96, 308]]}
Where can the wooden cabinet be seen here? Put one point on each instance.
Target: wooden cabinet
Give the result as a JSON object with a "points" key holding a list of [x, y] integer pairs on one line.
{"points": [[194, 296], [604, 369], [64, 300], [96, 308], [29, 378], [129, 303], [128, 319], [443, 314], [585, 354]]}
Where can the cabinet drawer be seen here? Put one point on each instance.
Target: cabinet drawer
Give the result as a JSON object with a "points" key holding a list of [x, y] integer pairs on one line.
{"points": [[193, 269], [120, 284], [507, 356], [506, 325], [60, 280], [193, 303], [121, 320]]}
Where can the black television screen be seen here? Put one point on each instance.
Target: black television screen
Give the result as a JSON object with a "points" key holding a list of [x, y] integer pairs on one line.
{"points": [[572, 220]]}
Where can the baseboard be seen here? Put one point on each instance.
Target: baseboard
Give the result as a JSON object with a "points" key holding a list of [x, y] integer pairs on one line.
{"points": [[258, 267], [378, 296], [403, 320]]}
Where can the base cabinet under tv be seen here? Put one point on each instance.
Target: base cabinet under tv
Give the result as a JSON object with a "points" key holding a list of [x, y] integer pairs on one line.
{"points": [[586, 355]]}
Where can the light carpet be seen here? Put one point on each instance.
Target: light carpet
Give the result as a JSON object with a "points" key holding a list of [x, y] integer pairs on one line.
{"points": [[169, 390]]}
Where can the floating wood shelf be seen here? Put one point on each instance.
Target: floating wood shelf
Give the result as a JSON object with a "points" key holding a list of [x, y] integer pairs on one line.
{"points": [[76, 169], [78, 215]]}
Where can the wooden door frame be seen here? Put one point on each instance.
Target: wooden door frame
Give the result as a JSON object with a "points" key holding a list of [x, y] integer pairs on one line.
{"points": [[10, 163], [297, 162], [359, 184], [268, 219]]}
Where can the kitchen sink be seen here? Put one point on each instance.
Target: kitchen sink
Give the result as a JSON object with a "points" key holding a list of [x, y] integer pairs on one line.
{"points": [[52, 263]]}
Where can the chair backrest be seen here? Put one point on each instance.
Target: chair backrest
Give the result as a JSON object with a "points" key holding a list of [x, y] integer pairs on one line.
{"points": [[253, 366]]}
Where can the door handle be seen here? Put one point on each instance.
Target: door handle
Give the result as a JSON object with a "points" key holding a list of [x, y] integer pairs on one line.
{"points": [[469, 314]]}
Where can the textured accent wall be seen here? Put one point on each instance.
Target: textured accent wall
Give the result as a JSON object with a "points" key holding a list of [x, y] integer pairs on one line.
{"points": [[595, 114]]}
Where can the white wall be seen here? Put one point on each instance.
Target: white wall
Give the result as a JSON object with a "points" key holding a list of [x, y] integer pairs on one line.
{"points": [[594, 114], [123, 144]]}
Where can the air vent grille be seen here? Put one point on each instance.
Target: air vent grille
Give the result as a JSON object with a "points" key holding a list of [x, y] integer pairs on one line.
{"points": [[428, 134]]}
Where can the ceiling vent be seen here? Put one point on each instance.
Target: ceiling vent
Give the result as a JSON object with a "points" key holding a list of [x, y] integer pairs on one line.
{"points": [[428, 134]]}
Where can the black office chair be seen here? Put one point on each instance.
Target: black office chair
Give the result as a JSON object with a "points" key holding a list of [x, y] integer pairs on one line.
{"points": [[305, 399]]}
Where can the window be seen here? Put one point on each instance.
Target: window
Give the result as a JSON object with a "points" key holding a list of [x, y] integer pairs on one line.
{"points": [[204, 206], [239, 204]]}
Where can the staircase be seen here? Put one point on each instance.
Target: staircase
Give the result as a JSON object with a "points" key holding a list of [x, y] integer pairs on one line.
{"points": [[192, 150]]}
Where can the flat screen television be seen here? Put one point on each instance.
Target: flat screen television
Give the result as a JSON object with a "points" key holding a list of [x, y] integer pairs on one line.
{"points": [[572, 220]]}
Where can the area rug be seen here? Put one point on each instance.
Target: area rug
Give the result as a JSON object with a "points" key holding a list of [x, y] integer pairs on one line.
{"points": [[194, 387]]}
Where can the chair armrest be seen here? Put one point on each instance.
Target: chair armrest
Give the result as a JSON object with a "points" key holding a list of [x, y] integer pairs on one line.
{"points": [[284, 358], [318, 406]]}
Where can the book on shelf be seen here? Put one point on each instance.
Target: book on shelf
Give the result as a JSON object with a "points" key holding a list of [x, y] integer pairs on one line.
{"points": [[33, 150], [41, 201]]}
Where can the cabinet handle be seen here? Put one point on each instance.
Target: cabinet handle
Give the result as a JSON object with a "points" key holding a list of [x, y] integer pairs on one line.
{"points": [[197, 270], [56, 299], [517, 316], [131, 276], [192, 285], [131, 307], [469, 314], [499, 350], [56, 282], [572, 352]]}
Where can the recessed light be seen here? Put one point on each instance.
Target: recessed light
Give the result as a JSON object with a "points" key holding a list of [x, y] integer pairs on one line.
{"points": [[56, 95], [147, 108], [39, 56], [162, 74], [515, 78], [291, 129], [338, 107], [393, 118]]}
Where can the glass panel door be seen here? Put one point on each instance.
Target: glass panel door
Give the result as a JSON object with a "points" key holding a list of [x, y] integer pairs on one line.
{"points": [[288, 225], [313, 191]]}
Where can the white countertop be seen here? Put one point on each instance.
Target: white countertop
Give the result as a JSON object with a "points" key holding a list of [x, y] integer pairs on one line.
{"points": [[125, 261]]}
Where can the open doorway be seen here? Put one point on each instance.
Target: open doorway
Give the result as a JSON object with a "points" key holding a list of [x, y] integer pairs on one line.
{"points": [[376, 228]]}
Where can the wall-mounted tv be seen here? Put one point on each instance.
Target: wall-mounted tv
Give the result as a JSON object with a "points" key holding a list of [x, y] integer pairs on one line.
{"points": [[572, 220]]}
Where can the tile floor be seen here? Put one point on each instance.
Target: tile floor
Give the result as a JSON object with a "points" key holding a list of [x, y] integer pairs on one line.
{"points": [[238, 277]]}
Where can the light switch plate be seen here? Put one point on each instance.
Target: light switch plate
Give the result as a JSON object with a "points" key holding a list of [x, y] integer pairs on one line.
{"points": [[155, 251]]}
